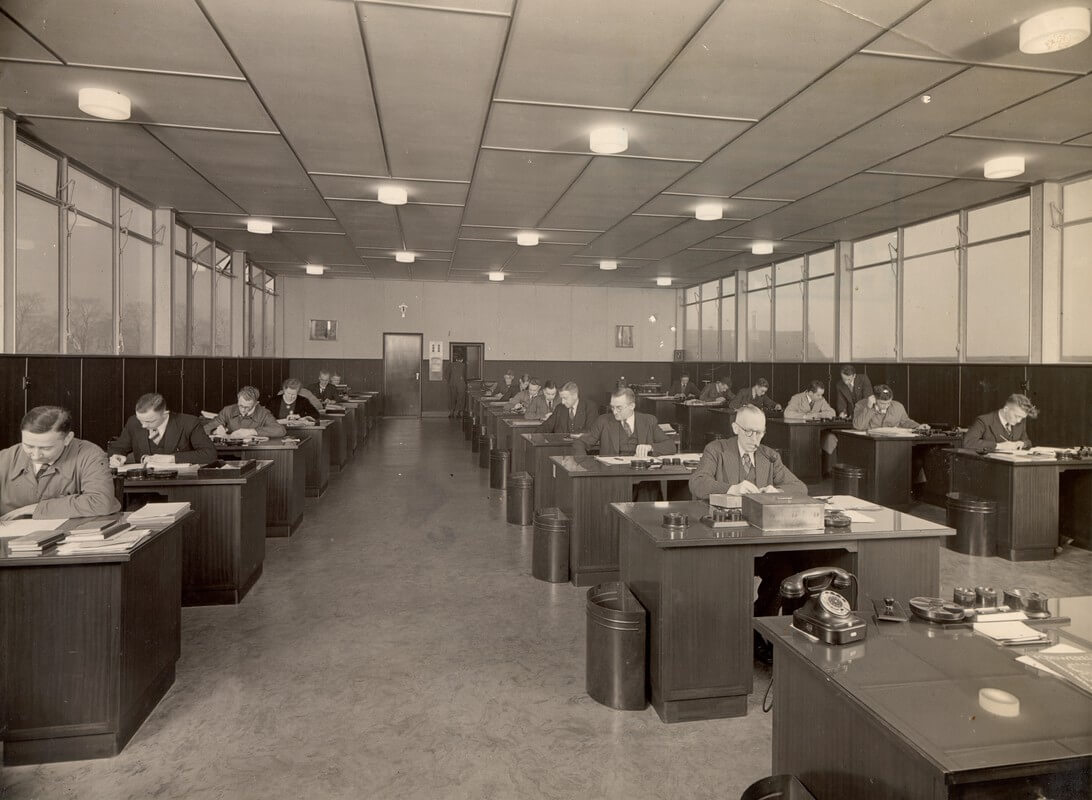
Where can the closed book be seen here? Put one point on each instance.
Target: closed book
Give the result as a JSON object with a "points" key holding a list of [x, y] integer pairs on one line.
{"points": [[82, 535], [35, 541], [157, 511]]}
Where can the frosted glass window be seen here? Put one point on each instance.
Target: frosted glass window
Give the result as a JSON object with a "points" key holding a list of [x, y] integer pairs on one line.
{"points": [[255, 322], [37, 282], [1077, 200], [692, 332], [759, 278], [202, 249], [180, 234], [936, 234], [201, 311], [710, 332], [874, 250], [1076, 289], [728, 286], [728, 329], [90, 288], [789, 271], [759, 338], [692, 295], [135, 217], [930, 306], [136, 297], [179, 319], [999, 219], [91, 196], [998, 304], [873, 314], [222, 317], [710, 290], [821, 264], [35, 169], [821, 322], [789, 322], [269, 317]]}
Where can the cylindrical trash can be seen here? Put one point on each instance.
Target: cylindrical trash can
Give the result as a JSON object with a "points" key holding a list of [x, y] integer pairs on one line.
{"points": [[475, 441], [617, 634], [777, 787], [847, 479], [468, 427], [520, 498], [498, 469], [485, 447], [550, 550], [973, 519]]}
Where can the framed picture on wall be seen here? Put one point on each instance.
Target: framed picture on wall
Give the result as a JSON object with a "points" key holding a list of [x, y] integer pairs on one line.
{"points": [[323, 330], [623, 336]]}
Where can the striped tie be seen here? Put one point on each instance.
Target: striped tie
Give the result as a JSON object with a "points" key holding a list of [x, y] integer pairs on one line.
{"points": [[153, 437]]}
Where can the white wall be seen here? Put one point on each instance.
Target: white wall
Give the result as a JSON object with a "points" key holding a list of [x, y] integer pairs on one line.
{"points": [[550, 323]]}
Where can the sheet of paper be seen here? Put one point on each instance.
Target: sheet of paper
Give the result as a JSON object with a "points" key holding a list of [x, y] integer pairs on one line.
{"points": [[1019, 456], [1006, 616], [844, 502], [1031, 662], [891, 432], [666, 427], [129, 468], [1008, 631], [21, 527]]}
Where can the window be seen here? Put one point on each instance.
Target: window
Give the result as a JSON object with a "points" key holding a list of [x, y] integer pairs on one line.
{"points": [[200, 310], [999, 280], [822, 322], [270, 315], [875, 288], [136, 296], [37, 276], [222, 280], [90, 287], [1076, 269], [930, 292], [728, 319], [759, 308], [35, 169], [691, 324], [179, 305], [92, 197], [789, 310], [135, 217]]}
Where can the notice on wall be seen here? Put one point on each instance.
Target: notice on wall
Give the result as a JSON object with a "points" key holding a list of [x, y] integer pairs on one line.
{"points": [[435, 361]]}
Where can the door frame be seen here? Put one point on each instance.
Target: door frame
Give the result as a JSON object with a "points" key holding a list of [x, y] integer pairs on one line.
{"points": [[421, 341], [451, 354]]}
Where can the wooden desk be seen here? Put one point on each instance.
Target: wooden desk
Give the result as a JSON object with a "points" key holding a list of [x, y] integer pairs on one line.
{"points": [[1036, 500], [532, 453], [287, 479], [584, 488], [509, 430], [360, 421], [800, 442], [349, 420], [702, 420], [661, 406], [222, 554], [493, 416], [887, 461], [897, 716], [698, 589], [317, 457], [338, 441], [88, 646]]}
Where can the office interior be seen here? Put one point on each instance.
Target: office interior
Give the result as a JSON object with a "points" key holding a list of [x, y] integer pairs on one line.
{"points": [[801, 184]]}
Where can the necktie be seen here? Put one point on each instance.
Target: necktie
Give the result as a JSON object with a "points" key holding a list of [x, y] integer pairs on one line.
{"points": [[748, 465], [153, 437], [811, 405], [572, 413], [628, 427], [1008, 429], [41, 470], [549, 405]]}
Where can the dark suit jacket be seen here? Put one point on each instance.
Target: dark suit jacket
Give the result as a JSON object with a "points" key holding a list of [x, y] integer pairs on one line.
{"points": [[691, 389], [844, 399], [559, 422], [509, 391], [184, 438], [303, 407], [607, 433], [329, 393], [720, 468], [746, 397], [986, 431]]}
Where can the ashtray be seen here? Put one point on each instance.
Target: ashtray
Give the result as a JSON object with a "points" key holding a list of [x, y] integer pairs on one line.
{"points": [[836, 519]]}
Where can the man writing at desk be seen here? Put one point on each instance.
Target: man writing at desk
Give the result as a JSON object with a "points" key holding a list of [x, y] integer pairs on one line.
{"points": [[850, 390], [882, 410], [52, 474], [809, 404], [529, 388], [756, 396], [624, 432], [683, 388], [325, 390], [1004, 429], [543, 403], [575, 415], [244, 419], [716, 392], [153, 435]]}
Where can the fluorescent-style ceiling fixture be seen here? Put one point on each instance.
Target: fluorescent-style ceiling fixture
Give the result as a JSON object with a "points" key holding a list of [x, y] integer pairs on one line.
{"points": [[104, 103], [709, 211], [392, 195], [609, 140], [496, 276], [663, 281], [762, 248], [608, 265], [526, 239], [259, 226], [1004, 167], [1054, 30], [315, 269], [404, 257], [651, 317]]}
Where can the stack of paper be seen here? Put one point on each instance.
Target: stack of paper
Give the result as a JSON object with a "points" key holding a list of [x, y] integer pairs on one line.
{"points": [[844, 502], [96, 532], [21, 527], [158, 513], [34, 543], [890, 431], [122, 543], [1010, 633]]}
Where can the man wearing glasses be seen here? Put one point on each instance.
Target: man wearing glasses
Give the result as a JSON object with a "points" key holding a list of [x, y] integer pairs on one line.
{"points": [[624, 432]]}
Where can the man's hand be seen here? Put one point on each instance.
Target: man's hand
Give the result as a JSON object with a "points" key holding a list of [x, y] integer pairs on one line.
{"points": [[743, 487], [24, 512], [777, 407], [923, 427], [293, 416], [117, 460], [843, 415], [872, 401], [220, 431], [643, 451]]}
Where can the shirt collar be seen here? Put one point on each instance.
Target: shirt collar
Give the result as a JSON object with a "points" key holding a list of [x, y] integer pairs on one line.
{"points": [[742, 452], [162, 429], [1001, 417], [24, 464]]}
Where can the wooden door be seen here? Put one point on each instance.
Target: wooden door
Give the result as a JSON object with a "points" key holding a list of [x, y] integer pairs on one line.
{"points": [[402, 356]]}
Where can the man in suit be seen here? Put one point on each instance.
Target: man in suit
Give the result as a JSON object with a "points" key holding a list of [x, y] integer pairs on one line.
{"points": [[244, 419], [850, 390], [809, 404], [528, 388], [154, 435], [624, 432], [508, 388], [882, 410], [756, 396], [1003, 429], [683, 388], [324, 390], [51, 474], [575, 414], [716, 392], [291, 404], [542, 405]]}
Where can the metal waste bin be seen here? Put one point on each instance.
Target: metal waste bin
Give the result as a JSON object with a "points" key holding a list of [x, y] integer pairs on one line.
{"points": [[847, 479], [485, 447], [777, 787], [476, 438], [973, 519], [616, 652], [520, 498], [498, 469], [468, 426], [550, 549]]}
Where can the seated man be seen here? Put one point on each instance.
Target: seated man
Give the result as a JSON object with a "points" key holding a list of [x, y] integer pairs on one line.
{"points": [[542, 404], [1004, 429], [809, 404], [756, 396], [325, 390], [52, 474], [716, 392], [683, 389], [244, 419], [850, 390], [575, 415], [881, 410], [624, 432], [521, 398], [291, 405], [153, 435], [508, 387]]}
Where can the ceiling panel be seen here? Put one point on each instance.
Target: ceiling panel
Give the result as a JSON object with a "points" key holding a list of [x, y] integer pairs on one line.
{"points": [[332, 125], [430, 81], [686, 260], [482, 256], [390, 272], [391, 267], [238, 222], [488, 6], [1085, 141], [368, 224], [609, 189], [1056, 116], [627, 234], [520, 125], [546, 234], [964, 158], [781, 246], [132, 158], [680, 237], [424, 271], [684, 205], [14, 43], [723, 244], [563, 276], [430, 227], [968, 96], [127, 33], [321, 248], [517, 189], [542, 257], [260, 248], [356, 186], [814, 117]]}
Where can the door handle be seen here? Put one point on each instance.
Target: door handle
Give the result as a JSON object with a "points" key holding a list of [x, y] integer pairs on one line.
{"points": [[417, 376]]}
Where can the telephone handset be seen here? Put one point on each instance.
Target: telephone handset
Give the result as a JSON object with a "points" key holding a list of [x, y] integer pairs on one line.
{"points": [[826, 614]]}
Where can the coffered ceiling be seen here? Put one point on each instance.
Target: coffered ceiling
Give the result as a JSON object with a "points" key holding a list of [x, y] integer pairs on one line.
{"points": [[804, 119]]}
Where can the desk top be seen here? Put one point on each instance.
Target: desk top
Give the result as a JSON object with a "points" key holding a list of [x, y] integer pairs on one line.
{"points": [[321, 425], [182, 480], [520, 422], [590, 467], [914, 438], [811, 423], [648, 518], [543, 439], [1067, 463], [275, 443], [921, 681]]}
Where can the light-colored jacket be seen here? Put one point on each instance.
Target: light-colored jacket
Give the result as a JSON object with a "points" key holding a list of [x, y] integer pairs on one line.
{"points": [[77, 484]]}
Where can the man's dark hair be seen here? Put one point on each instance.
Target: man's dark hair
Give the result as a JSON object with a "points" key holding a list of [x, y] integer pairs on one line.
{"points": [[153, 401], [47, 419]]}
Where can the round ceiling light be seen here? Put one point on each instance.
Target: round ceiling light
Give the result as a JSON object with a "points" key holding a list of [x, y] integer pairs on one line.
{"points": [[608, 265], [609, 140], [259, 226], [104, 103], [762, 248], [1004, 167], [404, 257], [1055, 30], [392, 195], [709, 211], [496, 276], [526, 239]]}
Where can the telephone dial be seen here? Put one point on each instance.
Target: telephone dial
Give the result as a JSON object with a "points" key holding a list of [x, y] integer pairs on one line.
{"points": [[826, 614]]}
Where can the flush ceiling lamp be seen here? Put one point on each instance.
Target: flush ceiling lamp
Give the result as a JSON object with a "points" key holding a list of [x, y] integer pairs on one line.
{"points": [[315, 269], [104, 103], [392, 195], [404, 257], [526, 239], [259, 226], [709, 211], [762, 248], [1005, 167], [663, 281], [1054, 30], [609, 140], [496, 276], [608, 265]]}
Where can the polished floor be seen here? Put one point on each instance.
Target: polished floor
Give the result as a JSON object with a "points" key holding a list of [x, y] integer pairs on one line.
{"points": [[397, 647]]}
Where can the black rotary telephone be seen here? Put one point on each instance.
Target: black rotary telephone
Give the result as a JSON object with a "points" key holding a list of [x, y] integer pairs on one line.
{"points": [[826, 614]]}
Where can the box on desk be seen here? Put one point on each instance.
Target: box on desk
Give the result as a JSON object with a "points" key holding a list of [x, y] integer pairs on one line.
{"points": [[783, 512]]}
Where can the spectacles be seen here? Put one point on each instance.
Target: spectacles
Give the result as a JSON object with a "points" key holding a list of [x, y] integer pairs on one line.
{"points": [[751, 432]]}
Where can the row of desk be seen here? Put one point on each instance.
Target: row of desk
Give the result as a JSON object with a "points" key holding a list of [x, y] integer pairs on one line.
{"points": [[88, 643]]}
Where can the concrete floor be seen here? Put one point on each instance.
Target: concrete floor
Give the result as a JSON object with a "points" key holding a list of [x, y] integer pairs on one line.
{"points": [[397, 647]]}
